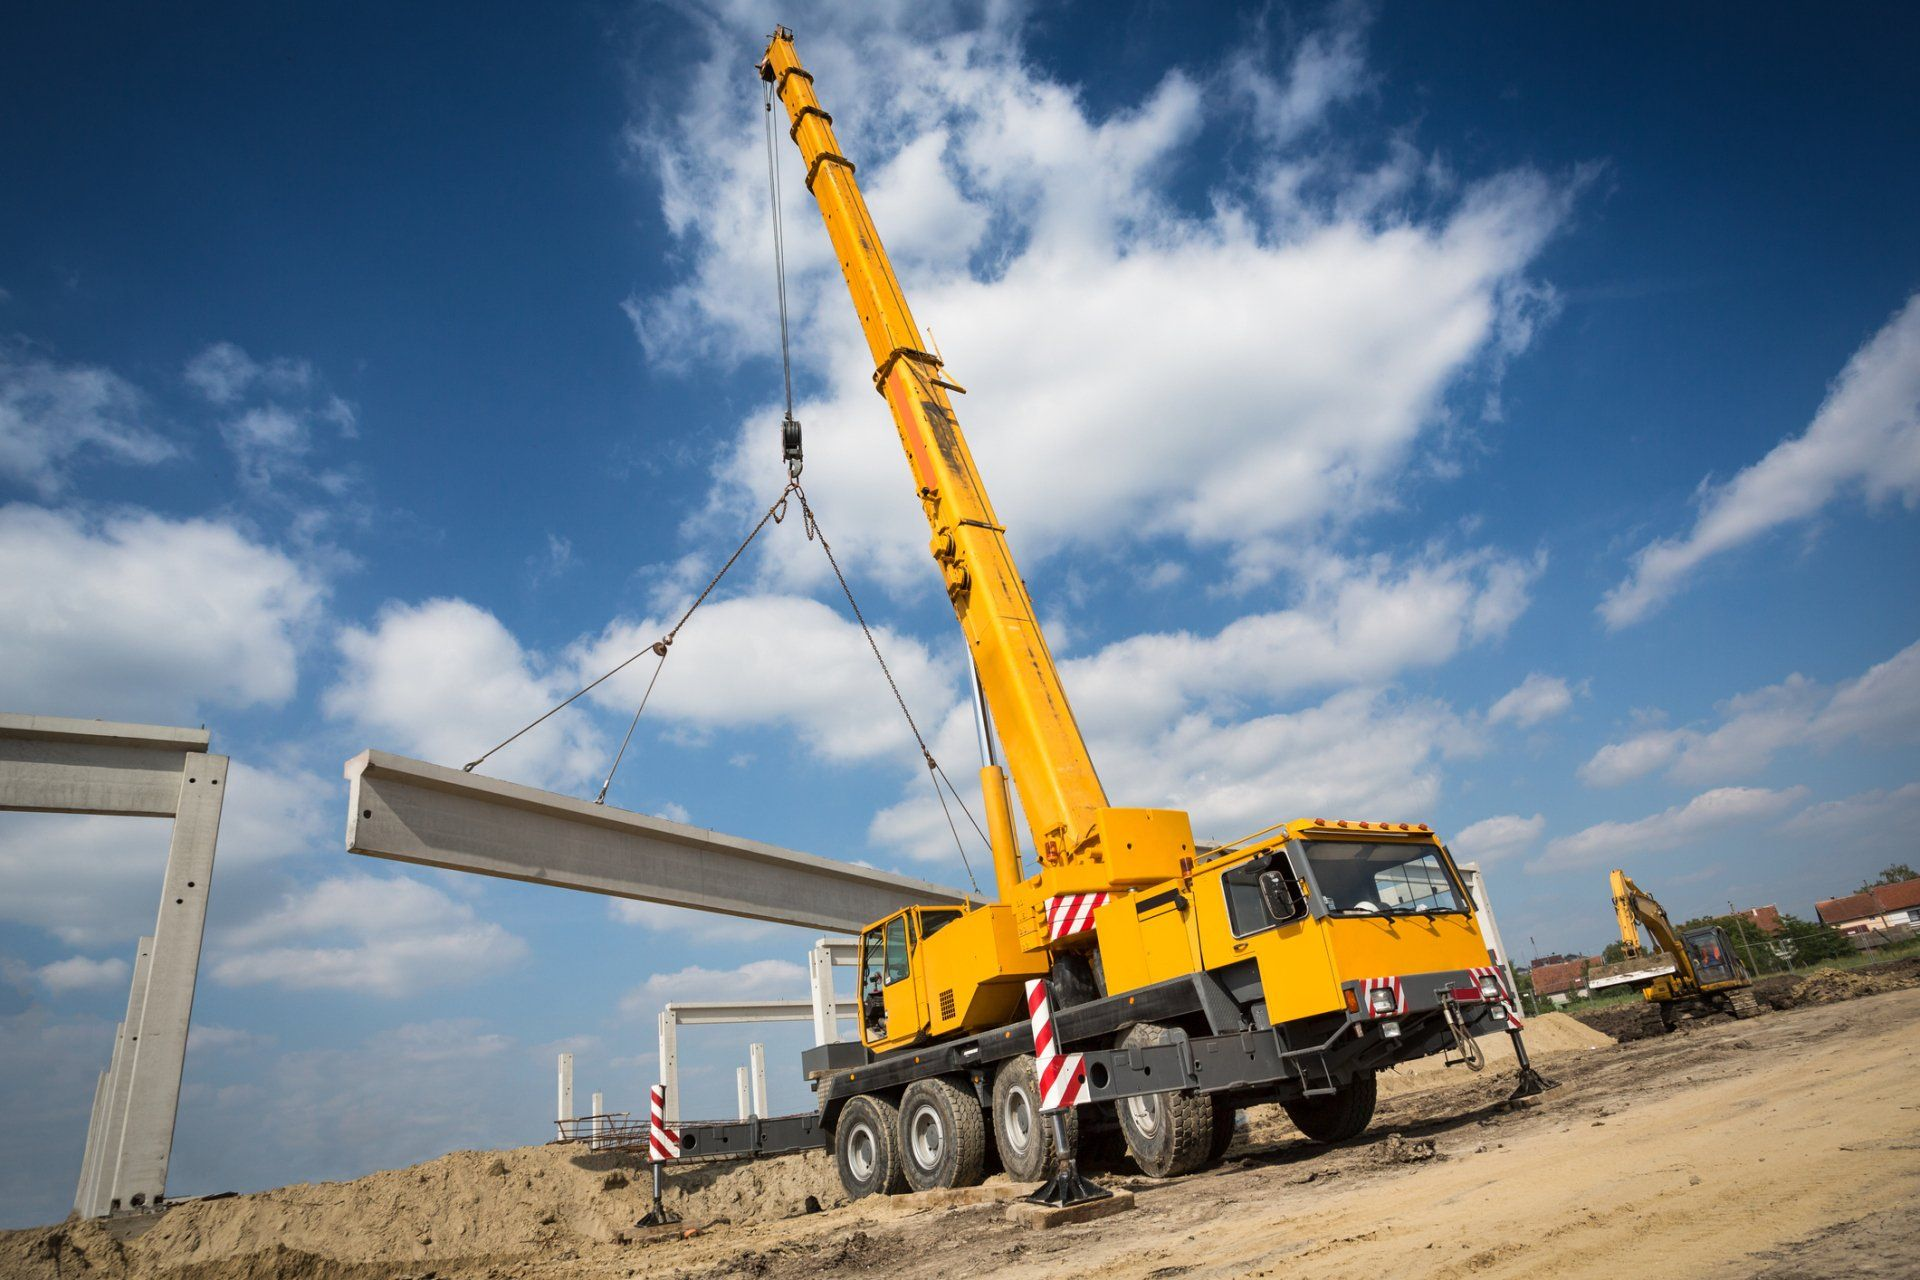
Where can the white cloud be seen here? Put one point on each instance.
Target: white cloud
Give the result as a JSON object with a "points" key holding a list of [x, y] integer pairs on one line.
{"points": [[224, 374], [386, 936], [139, 617], [1497, 838], [1881, 707], [1857, 826], [79, 973], [702, 926], [54, 415], [93, 881], [1707, 814], [1316, 344], [1865, 437], [444, 681], [774, 660], [1537, 698], [754, 980], [1355, 622], [207, 1037], [1362, 753]]}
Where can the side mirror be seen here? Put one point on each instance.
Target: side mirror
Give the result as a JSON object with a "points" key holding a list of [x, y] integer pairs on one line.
{"points": [[1282, 896]]}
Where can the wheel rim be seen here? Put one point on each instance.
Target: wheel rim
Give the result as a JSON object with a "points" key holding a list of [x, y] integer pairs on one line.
{"points": [[1144, 1112], [927, 1137], [1017, 1120], [860, 1152]]}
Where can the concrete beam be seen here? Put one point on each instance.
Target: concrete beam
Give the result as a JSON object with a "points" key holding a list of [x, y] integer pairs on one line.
{"points": [[411, 811], [715, 1013], [49, 764]]}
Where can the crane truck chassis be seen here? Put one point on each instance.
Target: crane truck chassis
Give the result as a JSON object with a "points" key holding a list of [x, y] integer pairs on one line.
{"points": [[1290, 966]]}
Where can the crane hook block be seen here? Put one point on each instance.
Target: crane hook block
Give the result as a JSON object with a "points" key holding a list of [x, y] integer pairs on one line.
{"points": [[790, 444]]}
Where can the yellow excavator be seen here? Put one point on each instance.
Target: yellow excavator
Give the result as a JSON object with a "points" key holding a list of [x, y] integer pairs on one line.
{"points": [[1288, 966], [1681, 974]]}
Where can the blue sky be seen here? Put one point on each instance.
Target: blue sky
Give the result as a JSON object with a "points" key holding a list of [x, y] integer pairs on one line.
{"points": [[1510, 426]]}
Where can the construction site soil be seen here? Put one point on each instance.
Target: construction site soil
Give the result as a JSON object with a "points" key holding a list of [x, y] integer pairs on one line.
{"points": [[1782, 1146], [1635, 1020]]}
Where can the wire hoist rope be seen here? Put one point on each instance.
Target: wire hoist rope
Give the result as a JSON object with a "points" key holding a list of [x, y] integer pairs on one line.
{"points": [[774, 513], [789, 426]]}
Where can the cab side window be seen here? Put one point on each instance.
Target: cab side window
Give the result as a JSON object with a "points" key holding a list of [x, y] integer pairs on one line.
{"points": [[896, 950]]}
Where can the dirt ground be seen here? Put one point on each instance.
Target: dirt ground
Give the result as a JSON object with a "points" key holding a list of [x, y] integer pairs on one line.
{"points": [[1630, 1021], [1785, 1146]]}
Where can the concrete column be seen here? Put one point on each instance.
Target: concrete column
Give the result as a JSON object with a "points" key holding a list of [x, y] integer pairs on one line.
{"points": [[599, 1116], [565, 1103], [826, 1015], [93, 1190], [160, 1047], [100, 1193], [96, 1132], [746, 1098], [670, 1063], [757, 1058]]}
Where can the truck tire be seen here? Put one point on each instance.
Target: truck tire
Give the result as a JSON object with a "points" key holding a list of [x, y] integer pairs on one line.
{"points": [[1224, 1118], [865, 1151], [1340, 1115], [943, 1135], [1167, 1134], [1021, 1135]]}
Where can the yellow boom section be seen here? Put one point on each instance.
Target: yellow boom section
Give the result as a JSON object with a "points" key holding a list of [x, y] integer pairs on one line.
{"points": [[1635, 906], [1062, 796]]}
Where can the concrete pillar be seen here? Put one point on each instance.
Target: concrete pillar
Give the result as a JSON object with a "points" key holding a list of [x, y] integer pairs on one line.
{"points": [[826, 1014], [96, 1130], [159, 1041], [757, 1058], [599, 1116], [119, 1076], [746, 1097], [670, 1062], [565, 1104]]}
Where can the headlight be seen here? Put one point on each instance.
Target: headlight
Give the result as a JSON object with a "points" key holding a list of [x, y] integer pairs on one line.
{"points": [[1490, 988], [1383, 1001]]}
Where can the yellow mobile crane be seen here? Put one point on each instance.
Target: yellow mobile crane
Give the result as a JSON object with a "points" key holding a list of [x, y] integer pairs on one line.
{"points": [[1695, 971], [1288, 966]]}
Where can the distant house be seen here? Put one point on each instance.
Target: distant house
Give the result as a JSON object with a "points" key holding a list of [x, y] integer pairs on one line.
{"points": [[1870, 915], [1557, 977], [1766, 919]]}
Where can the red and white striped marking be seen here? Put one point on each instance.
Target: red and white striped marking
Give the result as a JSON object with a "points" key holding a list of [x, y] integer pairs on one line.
{"points": [[662, 1143], [1370, 985], [1063, 1076], [1506, 997], [1072, 913]]}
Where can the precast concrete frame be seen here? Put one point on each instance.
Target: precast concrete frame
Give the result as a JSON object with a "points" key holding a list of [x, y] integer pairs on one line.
{"points": [[822, 1008], [50, 764]]}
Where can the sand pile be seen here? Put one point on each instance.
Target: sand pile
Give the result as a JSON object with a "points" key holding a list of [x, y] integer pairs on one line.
{"points": [[470, 1204], [1549, 1035]]}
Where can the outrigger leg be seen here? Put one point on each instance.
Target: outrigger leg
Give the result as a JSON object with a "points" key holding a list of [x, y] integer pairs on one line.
{"points": [[1068, 1186], [1532, 1082], [659, 1215]]}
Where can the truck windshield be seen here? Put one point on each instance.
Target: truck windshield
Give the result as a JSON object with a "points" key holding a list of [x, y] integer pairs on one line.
{"points": [[1358, 877]]}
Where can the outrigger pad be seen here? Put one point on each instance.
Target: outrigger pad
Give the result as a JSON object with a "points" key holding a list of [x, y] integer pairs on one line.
{"points": [[1531, 1084], [658, 1216], [1068, 1187]]}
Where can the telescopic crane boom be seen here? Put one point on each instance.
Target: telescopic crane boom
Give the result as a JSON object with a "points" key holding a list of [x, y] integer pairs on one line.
{"points": [[1083, 843]]}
